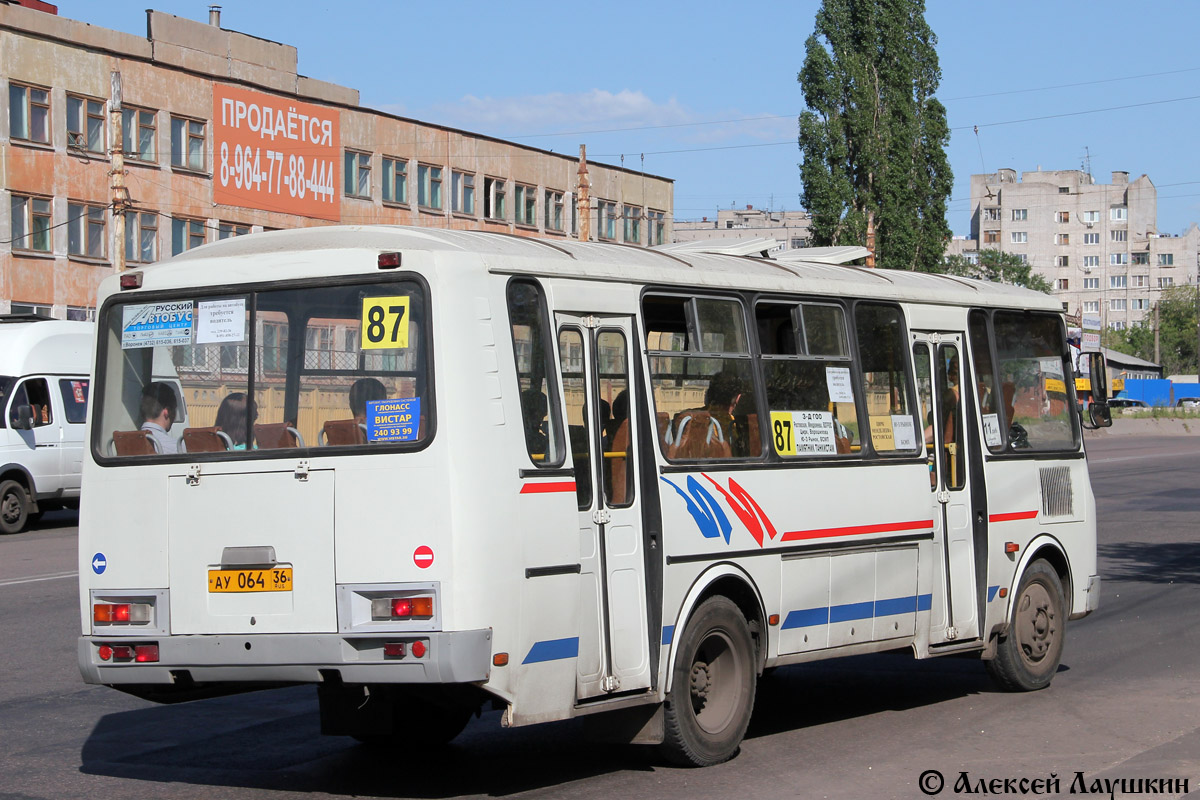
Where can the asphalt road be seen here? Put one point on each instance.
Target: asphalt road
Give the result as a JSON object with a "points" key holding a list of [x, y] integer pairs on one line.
{"points": [[1126, 703]]}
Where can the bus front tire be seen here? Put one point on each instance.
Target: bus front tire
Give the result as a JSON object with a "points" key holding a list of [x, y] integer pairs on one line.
{"points": [[1029, 654], [14, 507], [712, 691]]}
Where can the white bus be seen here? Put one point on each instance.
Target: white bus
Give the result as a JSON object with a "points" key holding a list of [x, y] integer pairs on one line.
{"points": [[424, 470]]}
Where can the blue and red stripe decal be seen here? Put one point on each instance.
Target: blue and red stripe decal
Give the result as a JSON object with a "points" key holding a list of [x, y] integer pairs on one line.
{"points": [[858, 530], [547, 487], [1013, 516], [849, 612]]}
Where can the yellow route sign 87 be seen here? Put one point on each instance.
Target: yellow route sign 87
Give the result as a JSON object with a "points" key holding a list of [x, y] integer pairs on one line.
{"points": [[384, 322]]}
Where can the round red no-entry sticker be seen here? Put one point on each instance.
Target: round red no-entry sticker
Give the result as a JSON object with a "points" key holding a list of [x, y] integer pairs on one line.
{"points": [[423, 556]]}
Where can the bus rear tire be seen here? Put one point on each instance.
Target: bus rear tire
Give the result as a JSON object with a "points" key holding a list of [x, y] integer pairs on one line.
{"points": [[1029, 654], [712, 695], [14, 507]]}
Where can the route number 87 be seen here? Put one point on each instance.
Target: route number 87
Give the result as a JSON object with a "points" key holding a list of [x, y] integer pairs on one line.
{"points": [[384, 322], [782, 430]]}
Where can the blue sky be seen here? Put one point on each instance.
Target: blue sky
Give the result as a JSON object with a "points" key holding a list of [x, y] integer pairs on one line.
{"points": [[707, 91]]}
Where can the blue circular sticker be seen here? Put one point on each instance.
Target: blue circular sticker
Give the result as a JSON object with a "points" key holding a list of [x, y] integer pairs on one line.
{"points": [[99, 563]]}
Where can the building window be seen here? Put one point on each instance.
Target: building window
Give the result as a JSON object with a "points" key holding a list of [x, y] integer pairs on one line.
{"points": [[87, 233], [554, 210], [80, 313], [31, 223], [429, 186], [186, 234], [28, 113], [141, 237], [1091, 217], [1062, 284], [991, 237], [1140, 304], [1091, 261], [1117, 325], [139, 134], [1118, 213], [1091, 283], [227, 230], [1141, 258], [1019, 237], [395, 180], [1141, 281], [991, 215], [1118, 259], [633, 225], [187, 143], [1091, 238], [1117, 236], [1020, 214], [1117, 304], [656, 229], [1166, 283], [1166, 259], [357, 174], [1062, 216], [526, 204], [493, 199], [606, 219], [1118, 281], [1064, 190], [1062, 238], [31, 308], [1091, 306], [1062, 261], [462, 186], [85, 124], [1023, 258]]}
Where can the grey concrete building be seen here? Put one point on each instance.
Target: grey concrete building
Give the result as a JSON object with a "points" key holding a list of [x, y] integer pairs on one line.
{"points": [[792, 228], [223, 137], [1098, 244]]}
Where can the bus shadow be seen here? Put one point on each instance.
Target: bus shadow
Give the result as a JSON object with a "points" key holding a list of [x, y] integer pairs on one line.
{"points": [[271, 739], [1169, 562]]}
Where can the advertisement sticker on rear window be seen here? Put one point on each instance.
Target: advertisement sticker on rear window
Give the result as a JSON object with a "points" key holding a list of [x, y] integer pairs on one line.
{"points": [[393, 420], [156, 324]]}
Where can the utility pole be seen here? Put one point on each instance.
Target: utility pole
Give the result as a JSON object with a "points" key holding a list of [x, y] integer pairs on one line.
{"points": [[582, 202], [1157, 357], [120, 194]]}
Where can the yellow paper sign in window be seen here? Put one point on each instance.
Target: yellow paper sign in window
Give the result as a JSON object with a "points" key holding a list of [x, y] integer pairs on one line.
{"points": [[384, 322], [783, 433]]}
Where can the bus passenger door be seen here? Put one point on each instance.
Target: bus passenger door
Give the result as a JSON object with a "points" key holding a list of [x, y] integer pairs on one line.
{"points": [[938, 360], [614, 654]]}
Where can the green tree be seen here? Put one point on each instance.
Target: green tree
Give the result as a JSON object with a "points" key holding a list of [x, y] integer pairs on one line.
{"points": [[998, 266], [873, 138], [1177, 337]]}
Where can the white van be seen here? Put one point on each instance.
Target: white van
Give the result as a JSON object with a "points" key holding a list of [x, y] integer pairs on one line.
{"points": [[44, 367]]}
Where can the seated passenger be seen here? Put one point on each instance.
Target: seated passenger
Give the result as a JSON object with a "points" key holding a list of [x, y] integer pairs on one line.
{"points": [[159, 408], [363, 391], [533, 412], [707, 432], [234, 417]]}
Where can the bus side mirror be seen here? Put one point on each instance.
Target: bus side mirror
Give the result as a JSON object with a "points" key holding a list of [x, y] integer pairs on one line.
{"points": [[1100, 415], [1098, 370], [23, 418]]}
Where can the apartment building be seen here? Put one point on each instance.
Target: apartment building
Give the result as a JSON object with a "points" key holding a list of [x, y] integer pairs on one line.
{"points": [[1098, 244], [220, 136], [792, 228]]}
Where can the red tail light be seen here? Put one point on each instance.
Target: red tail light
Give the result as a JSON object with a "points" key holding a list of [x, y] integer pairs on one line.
{"points": [[120, 613], [145, 653], [401, 607]]}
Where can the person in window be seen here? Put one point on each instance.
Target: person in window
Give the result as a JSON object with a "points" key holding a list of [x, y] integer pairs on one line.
{"points": [[533, 412], [235, 416], [362, 391], [159, 407], [711, 437]]}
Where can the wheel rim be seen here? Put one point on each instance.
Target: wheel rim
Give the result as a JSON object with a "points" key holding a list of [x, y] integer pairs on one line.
{"points": [[10, 507], [715, 683], [1037, 624]]}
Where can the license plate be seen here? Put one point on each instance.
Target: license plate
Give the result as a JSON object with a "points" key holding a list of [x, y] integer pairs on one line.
{"points": [[278, 579]]}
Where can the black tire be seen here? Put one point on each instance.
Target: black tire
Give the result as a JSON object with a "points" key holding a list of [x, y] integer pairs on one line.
{"points": [[14, 507], [712, 688], [1029, 654]]}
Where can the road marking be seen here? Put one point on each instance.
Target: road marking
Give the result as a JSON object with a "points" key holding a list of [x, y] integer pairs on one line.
{"points": [[54, 576]]}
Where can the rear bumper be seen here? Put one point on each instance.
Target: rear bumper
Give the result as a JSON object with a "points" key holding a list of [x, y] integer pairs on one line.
{"points": [[451, 657]]}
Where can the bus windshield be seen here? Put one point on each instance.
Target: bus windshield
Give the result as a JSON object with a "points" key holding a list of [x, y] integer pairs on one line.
{"points": [[270, 368]]}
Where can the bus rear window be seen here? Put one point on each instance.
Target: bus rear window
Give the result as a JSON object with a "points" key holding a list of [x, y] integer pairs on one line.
{"points": [[296, 367]]}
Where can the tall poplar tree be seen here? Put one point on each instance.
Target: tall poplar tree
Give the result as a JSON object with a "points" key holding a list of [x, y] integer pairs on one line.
{"points": [[873, 138]]}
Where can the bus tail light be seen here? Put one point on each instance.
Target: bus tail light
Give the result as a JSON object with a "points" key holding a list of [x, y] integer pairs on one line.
{"points": [[141, 653], [401, 608], [121, 613], [407, 649], [145, 653]]}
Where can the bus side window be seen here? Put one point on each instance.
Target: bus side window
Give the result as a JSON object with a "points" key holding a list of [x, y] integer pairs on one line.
{"points": [[894, 422], [533, 353]]}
